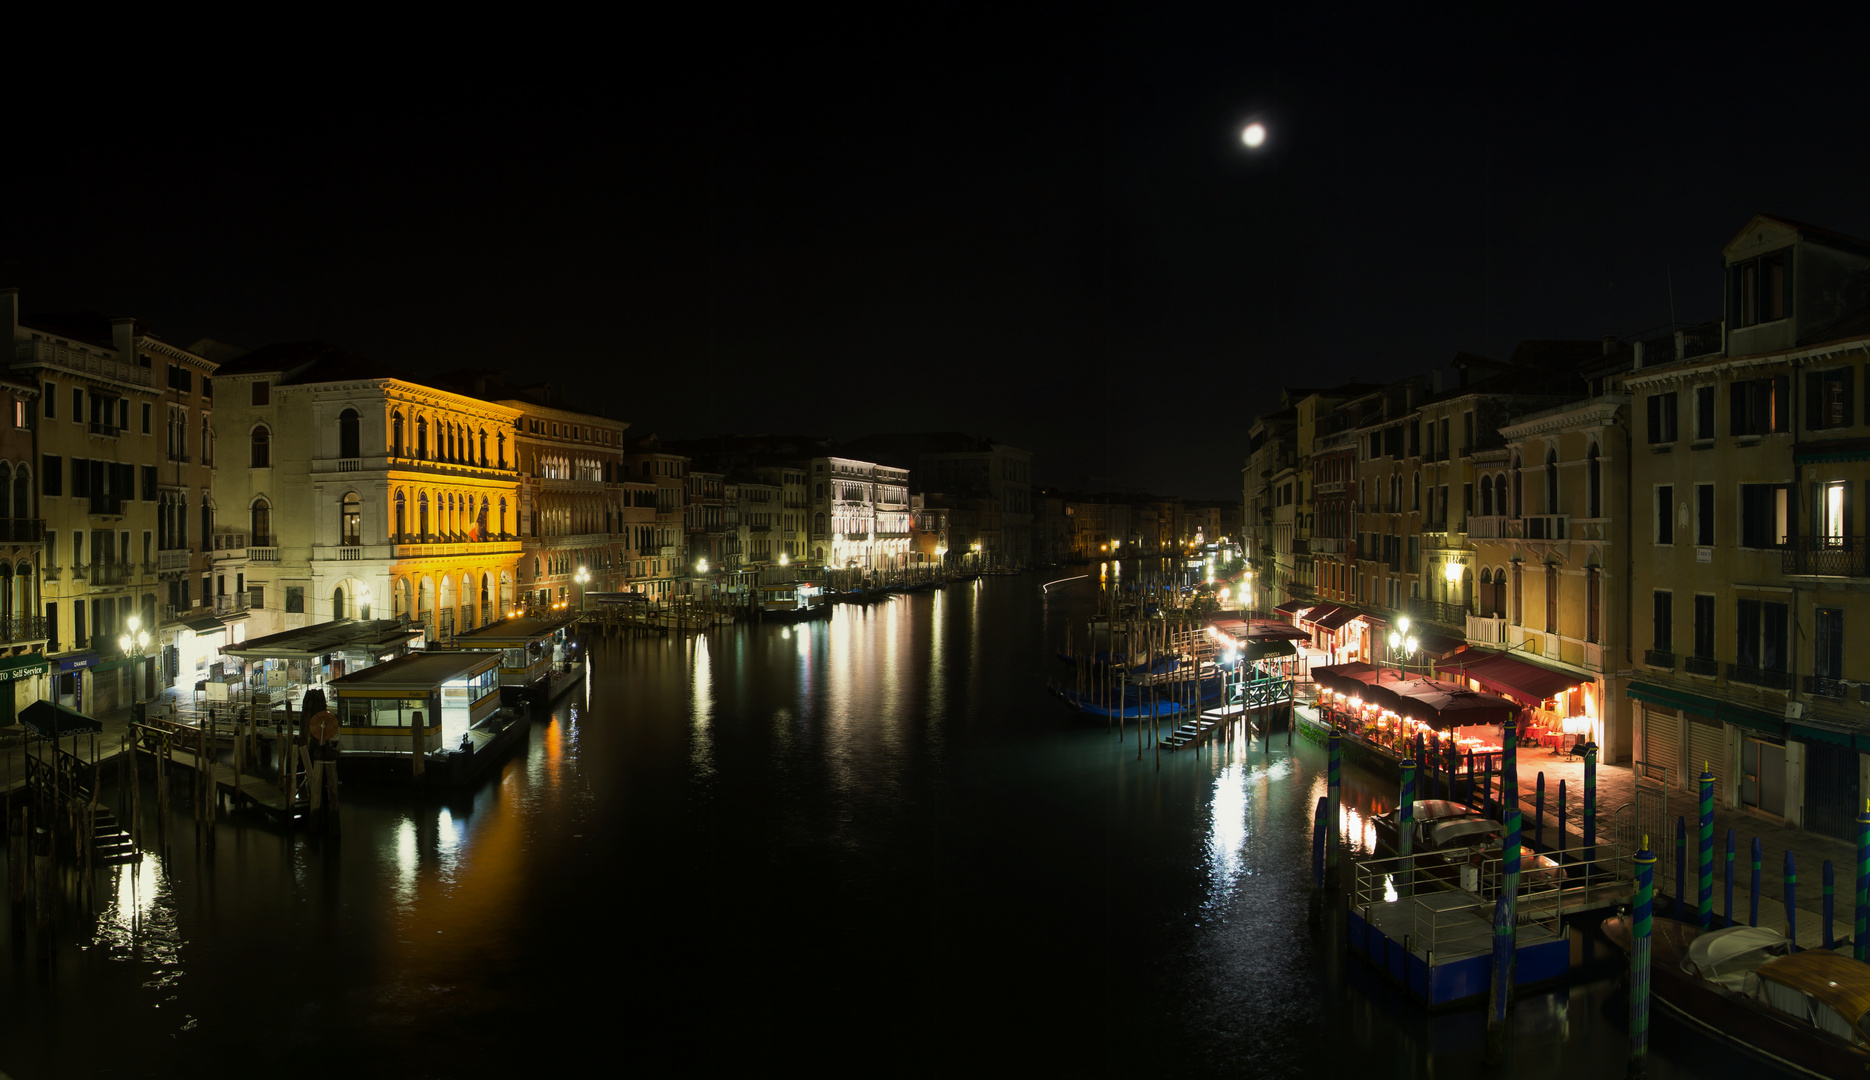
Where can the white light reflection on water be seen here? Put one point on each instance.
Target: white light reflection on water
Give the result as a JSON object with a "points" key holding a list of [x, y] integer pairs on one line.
{"points": [[406, 862], [701, 714], [138, 922]]}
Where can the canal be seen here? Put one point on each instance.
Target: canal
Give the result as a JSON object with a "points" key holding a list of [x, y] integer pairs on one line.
{"points": [[871, 844]]}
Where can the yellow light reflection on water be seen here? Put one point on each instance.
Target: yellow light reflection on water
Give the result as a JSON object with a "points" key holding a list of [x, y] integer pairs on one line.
{"points": [[701, 709]]}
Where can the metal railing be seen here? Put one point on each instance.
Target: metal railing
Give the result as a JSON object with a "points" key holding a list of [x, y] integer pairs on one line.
{"points": [[22, 531], [108, 573], [1825, 686], [1659, 658], [23, 628], [1439, 612], [1546, 526], [1701, 665], [1827, 556], [170, 560], [1753, 676]]}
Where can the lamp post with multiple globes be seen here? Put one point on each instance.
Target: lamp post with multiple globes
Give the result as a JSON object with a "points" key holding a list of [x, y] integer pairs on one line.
{"points": [[1403, 644], [582, 577], [133, 641]]}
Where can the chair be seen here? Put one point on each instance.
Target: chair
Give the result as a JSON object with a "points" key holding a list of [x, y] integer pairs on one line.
{"points": [[1577, 748]]}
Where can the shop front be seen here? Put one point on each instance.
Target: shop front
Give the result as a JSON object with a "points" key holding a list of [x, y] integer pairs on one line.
{"points": [[19, 681]]}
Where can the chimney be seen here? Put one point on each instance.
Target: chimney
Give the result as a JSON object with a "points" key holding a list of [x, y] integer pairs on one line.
{"points": [[1641, 350], [123, 339], [1610, 344]]}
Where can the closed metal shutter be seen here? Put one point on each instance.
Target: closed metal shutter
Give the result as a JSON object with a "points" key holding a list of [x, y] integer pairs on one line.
{"points": [[1707, 742], [1831, 799], [1662, 741]]}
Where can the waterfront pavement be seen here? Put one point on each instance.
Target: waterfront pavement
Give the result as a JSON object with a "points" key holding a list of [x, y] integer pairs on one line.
{"points": [[1616, 788], [108, 743]]}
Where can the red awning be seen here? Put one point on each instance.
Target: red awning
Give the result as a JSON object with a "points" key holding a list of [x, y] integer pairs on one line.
{"points": [[1319, 612], [1437, 645], [1337, 618], [1521, 680], [1294, 606], [1268, 629]]}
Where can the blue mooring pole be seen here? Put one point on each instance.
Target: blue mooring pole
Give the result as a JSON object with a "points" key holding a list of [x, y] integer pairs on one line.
{"points": [[1318, 844], [1704, 909], [1860, 936], [1642, 920], [1590, 806], [1753, 905], [1538, 811], [1792, 902], [1727, 901], [1502, 989]]}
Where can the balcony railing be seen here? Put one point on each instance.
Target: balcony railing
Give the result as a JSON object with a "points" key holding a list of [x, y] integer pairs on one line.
{"points": [[1659, 658], [171, 560], [107, 504], [111, 430], [108, 573], [1547, 526], [1438, 612], [1824, 686], [1772, 680], [229, 605], [1701, 665], [67, 356], [477, 547], [16, 628], [22, 531], [1487, 527], [263, 554], [1825, 556]]}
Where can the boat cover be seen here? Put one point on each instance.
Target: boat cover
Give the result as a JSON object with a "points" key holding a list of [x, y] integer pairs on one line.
{"points": [[1728, 956]]}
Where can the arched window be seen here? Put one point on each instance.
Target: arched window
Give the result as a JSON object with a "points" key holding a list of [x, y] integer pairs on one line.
{"points": [[262, 522], [351, 520], [262, 448], [503, 532], [1593, 478], [483, 448], [23, 597], [396, 434], [422, 437], [499, 442], [402, 518], [337, 602], [1486, 497], [1551, 481], [1499, 493], [207, 521], [6, 481], [422, 516], [349, 444], [1519, 488], [22, 493], [536, 571], [1415, 492]]}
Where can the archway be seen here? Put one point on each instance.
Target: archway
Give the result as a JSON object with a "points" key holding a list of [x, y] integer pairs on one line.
{"points": [[425, 606], [486, 611]]}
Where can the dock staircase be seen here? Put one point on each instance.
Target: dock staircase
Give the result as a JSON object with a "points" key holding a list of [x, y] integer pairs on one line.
{"points": [[110, 844]]}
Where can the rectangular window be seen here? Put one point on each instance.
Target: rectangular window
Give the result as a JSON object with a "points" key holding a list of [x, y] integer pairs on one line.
{"points": [[145, 417], [1704, 412], [1704, 626], [77, 547], [1664, 621], [182, 380], [81, 478], [1662, 412], [1831, 512], [1829, 401], [256, 598], [1467, 499], [1551, 598], [149, 483], [1765, 515], [1760, 635], [51, 400], [77, 404], [1467, 432], [262, 395], [1704, 514], [1758, 406], [51, 472], [1760, 290], [1665, 514], [295, 599], [1828, 643], [19, 413]]}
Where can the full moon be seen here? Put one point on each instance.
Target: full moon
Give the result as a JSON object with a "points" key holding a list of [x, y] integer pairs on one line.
{"points": [[1253, 134]]}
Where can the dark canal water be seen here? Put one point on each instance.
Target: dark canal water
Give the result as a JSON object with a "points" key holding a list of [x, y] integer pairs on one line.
{"points": [[874, 845]]}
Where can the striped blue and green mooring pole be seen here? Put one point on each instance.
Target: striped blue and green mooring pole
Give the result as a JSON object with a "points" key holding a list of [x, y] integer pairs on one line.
{"points": [[1538, 811], [1509, 813], [1590, 800], [1860, 936], [1704, 913], [1642, 921], [1792, 902], [1727, 900], [1829, 903], [1405, 825], [1753, 905], [1502, 990], [1318, 844], [1680, 910], [1333, 791]]}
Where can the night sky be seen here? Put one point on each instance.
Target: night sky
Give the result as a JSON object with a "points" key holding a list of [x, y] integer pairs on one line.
{"points": [[1035, 224]]}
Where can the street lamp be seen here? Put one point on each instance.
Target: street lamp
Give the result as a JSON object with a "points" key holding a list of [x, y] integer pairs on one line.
{"points": [[133, 643], [1404, 642], [582, 577]]}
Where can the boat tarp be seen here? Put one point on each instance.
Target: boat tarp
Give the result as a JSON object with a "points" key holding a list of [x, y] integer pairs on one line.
{"points": [[1521, 680], [51, 720]]}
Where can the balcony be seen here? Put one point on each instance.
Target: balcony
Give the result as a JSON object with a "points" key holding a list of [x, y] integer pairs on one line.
{"points": [[1328, 545], [1658, 658], [18, 628], [22, 531], [45, 351], [263, 554], [110, 430], [1752, 676], [104, 574], [172, 560], [1546, 526], [1825, 686], [1488, 527], [1438, 612], [230, 605], [1701, 665], [1486, 629], [1824, 556], [469, 547], [107, 505]]}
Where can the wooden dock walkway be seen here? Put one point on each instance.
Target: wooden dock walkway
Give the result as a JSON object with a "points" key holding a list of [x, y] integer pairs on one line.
{"points": [[178, 746]]}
